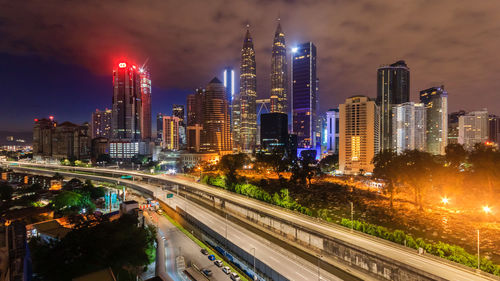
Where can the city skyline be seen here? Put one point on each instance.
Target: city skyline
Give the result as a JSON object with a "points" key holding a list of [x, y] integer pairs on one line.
{"points": [[457, 69]]}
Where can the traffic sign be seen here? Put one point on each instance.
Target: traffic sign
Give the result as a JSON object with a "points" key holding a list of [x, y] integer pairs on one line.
{"points": [[170, 195]]}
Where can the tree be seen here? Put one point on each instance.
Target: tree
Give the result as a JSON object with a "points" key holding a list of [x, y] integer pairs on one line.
{"points": [[387, 167], [69, 202], [329, 163], [455, 155], [307, 168], [6, 191], [485, 161], [417, 170], [230, 163], [275, 160]]}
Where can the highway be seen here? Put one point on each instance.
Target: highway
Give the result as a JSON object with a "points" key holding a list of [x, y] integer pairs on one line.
{"points": [[430, 264]]}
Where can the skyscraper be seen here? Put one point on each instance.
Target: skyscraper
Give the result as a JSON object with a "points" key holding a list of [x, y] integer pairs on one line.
{"points": [[146, 104], [248, 96], [279, 97], [332, 131], [229, 83], [453, 126], [408, 124], [273, 131], [473, 128], [178, 111], [101, 123], [216, 133], [195, 119], [127, 102], [170, 139], [435, 100], [393, 87], [494, 129], [304, 95], [159, 126], [359, 134]]}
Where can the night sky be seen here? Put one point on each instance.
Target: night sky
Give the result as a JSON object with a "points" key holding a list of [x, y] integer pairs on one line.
{"points": [[56, 57]]}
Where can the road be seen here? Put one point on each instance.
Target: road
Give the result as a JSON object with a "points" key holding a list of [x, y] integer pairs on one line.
{"points": [[380, 247]]}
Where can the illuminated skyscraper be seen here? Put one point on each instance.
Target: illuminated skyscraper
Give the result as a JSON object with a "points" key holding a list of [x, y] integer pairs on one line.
{"points": [[127, 103], [101, 123], [216, 133], [194, 119], [393, 87], [408, 127], [146, 104], [332, 131], [178, 111], [229, 83], [248, 96], [435, 100], [279, 98], [170, 139], [304, 95], [159, 126], [473, 128]]}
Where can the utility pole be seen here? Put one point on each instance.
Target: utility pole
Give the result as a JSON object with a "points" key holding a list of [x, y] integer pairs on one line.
{"points": [[352, 217], [254, 273], [478, 258], [319, 268]]}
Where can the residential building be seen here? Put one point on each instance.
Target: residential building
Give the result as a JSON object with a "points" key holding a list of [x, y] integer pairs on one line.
{"points": [[332, 131], [101, 123], [473, 128], [435, 100], [171, 126], [408, 127], [304, 95], [393, 87], [359, 135], [453, 126], [279, 95], [247, 96]]}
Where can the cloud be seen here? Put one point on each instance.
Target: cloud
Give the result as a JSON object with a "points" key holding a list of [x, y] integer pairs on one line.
{"points": [[189, 42]]}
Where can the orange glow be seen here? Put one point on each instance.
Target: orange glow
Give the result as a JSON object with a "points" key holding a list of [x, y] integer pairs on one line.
{"points": [[445, 200], [487, 209]]}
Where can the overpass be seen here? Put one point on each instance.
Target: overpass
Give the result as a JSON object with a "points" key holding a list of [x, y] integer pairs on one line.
{"points": [[362, 255]]}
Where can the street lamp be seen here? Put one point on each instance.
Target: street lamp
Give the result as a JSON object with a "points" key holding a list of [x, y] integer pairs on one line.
{"points": [[352, 216], [254, 274], [486, 209], [319, 273], [445, 200]]}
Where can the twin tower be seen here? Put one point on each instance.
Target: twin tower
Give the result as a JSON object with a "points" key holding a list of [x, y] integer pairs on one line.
{"points": [[244, 107]]}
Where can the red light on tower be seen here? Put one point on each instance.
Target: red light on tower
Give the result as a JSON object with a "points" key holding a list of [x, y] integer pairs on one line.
{"points": [[36, 119], [122, 65], [51, 118]]}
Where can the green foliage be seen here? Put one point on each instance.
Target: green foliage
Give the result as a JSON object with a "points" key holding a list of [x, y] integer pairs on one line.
{"points": [[329, 163], [440, 249], [120, 244], [70, 202]]}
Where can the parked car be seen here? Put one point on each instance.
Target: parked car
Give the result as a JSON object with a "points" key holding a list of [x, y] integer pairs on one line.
{"points": [[204, 251], [207, 272], [234, 276], [226, 270], [211, 257], [218, 263], [159, 211]]}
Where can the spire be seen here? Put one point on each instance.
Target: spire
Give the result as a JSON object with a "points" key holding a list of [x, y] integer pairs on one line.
{"points": [[278, 29], [248, 43]]}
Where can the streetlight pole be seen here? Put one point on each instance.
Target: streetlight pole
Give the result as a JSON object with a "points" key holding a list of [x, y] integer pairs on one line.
{"points": [[319, 268], [352, 217], [478, 258], [254, 273], [226, 226]]}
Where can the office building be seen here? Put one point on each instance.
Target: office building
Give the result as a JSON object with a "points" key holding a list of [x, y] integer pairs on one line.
{"points": [[178, 111], [304, 98], [408, 124], [124, 150], [279, 95], [473, 128], [101, 123], [229, 83], [263, 106], [273, 131], [216, 133], [171, 126], [146, 104], [195, 119], [332, 131], [435, 100], [247, 97], [494, 129], [159, 126], [453, 126], [393, 87], [193, 133], [359, 135]]}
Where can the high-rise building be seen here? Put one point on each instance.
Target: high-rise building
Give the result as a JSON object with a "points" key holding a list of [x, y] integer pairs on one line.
{"points": [[393, 87], [273, 131], [408, 127], [127, 103], [263, 106], [195, 119], [279, 96], [159, 126], [247, 97], [171, 126], [359, 135], [229, 83], [304, 94], [101, 123], [494, 129], [473, 128], [178, 111], [453, 126], [146, 104], [435, 100], [216, 134], [332, 131]]}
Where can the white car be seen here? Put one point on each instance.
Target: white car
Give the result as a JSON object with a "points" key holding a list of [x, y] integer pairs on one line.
{"points": [[226, 270], [234, 276]]}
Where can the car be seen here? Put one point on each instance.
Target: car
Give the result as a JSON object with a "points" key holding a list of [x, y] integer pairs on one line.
{"points": [[207, 272], [204, 251], [234, 276], [218, 263], [159, 211], [211, 257], [226, 270]]}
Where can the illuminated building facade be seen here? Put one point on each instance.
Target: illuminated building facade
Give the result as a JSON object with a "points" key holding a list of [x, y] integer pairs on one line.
{"points": [[273, 131], [393, 87], [127, 104], [473, 128], [247, 97], [359, 135], [435, 100], [304, 95], [408, 127], [494, 129], [279, 97], [195, 119], [332, 131], [101, 123], [178, 111], [228, 77], [146, 104], [159, 126], [216, 133], [453, 126], [171, 126]]}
